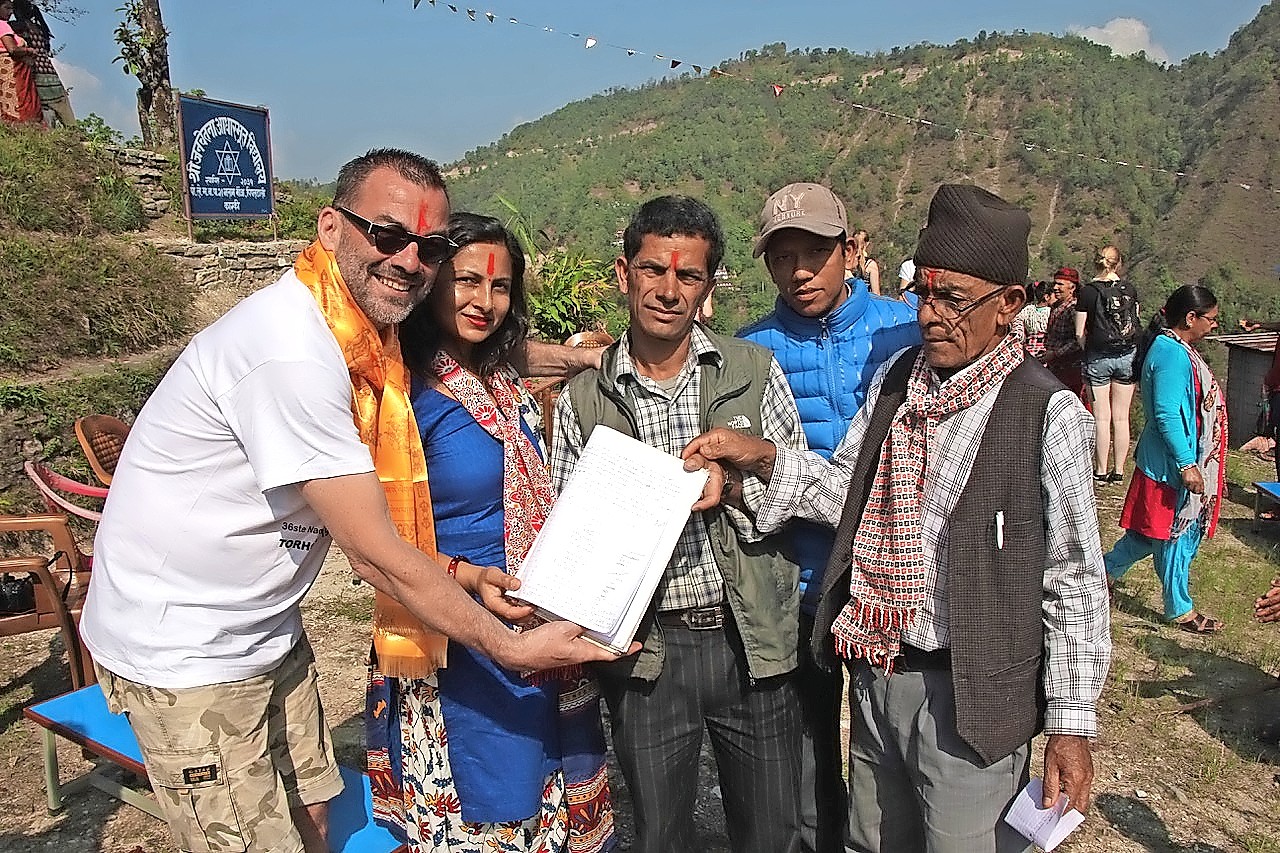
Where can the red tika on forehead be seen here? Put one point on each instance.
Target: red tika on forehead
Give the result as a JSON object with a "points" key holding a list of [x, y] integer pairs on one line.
{"points": [[422, 218], [489, 272], [675, 259]]}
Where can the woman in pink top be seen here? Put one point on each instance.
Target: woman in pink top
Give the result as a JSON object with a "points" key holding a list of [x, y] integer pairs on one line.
{"points": [[19, 100]]}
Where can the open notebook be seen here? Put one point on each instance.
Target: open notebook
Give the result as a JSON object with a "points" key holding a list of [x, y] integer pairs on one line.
{"points": [[603, 548]]}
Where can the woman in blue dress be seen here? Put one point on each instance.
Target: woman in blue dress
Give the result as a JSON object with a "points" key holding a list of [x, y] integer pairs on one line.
{"points": [[478, 758]]}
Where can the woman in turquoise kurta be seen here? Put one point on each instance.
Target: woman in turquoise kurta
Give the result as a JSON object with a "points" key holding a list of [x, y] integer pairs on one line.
{"points": [[1177, 486]]}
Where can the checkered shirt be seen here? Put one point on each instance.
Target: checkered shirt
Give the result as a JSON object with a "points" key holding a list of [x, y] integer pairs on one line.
{"points": [[1076, 611], [669, 422]]}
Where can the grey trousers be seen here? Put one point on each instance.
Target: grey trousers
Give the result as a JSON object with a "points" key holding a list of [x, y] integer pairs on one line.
{"points": [[914, 784], [755, 736], [824, 799]]}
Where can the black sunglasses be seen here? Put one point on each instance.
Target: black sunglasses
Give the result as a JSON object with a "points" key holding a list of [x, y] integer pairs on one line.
{"points": [[391, 239]]}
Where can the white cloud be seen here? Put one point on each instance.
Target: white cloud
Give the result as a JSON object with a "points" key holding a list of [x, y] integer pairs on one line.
{"points": [[90, 95], [75, 77], [1124, 36]]}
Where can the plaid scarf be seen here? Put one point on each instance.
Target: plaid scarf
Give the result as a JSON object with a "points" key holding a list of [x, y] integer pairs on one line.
{"points": [[887, 581], [380, 405], [527, 494], [1211, 450]]}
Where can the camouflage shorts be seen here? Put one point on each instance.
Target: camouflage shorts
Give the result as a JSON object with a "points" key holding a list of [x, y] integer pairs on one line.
{"points": [[228, 761]]}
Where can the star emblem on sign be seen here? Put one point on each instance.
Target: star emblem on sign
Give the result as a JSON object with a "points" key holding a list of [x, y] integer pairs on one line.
{"points": [[228, 161]]}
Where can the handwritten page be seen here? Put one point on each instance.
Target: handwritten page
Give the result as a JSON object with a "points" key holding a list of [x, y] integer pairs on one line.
{"points": [[610, 535], [1046, 827]]}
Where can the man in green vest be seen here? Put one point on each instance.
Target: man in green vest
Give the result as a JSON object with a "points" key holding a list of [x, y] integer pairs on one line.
{"points": [[965, 591], [720, 640]]}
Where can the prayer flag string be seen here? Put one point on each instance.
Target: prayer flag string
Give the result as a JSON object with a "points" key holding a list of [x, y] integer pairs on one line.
{"points": [[591, 41]]}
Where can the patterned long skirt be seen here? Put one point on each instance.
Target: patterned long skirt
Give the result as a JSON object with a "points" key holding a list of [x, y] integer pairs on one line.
{"points": [[433, 814]]}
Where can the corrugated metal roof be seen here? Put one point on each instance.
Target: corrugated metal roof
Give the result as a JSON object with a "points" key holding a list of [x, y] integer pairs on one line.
{"points": [[1259, 341]]}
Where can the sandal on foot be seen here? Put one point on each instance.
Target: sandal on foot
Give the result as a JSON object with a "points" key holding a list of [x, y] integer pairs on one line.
{"points": [[1198, 623], [1099, 478], [1115, 477]]}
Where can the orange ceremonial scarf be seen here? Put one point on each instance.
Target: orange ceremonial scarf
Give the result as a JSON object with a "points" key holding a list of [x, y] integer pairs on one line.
{"points": [[384, 417]]}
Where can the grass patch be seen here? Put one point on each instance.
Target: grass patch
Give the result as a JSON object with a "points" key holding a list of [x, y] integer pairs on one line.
{"points": [[354, 606], [43, 416], [51, 181], [75, 297]]}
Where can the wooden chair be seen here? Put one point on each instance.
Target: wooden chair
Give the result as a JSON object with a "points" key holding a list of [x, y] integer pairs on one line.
{"points": [[102, 438], [61, 584], [547, 390], [54, 487]]}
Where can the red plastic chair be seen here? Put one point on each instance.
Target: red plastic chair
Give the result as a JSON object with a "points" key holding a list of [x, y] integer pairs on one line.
{"points": [[52, 486]]}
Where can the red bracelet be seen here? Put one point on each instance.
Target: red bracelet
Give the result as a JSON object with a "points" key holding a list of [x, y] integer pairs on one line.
{"points": [[452, 571]]}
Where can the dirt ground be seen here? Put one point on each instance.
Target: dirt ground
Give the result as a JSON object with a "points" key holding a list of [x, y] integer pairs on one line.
{"points": [[1167, 782]]}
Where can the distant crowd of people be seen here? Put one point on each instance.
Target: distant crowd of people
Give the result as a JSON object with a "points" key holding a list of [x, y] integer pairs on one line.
{"points": [[900, 508]]}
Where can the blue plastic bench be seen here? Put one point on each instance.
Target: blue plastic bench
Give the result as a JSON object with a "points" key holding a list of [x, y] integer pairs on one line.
{"points": [[1268, 493], [82, 718]]}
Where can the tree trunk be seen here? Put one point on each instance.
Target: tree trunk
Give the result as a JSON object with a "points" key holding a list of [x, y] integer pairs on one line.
{"points": [[155, 94]]}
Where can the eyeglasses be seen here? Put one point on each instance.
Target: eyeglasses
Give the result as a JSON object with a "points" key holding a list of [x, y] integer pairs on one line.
{"points": [[1213, 319], [391, 239], [944, 306]]}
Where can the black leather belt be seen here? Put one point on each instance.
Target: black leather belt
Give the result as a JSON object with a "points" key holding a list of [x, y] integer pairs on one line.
{"points": [[694, 618], [911, 659]]}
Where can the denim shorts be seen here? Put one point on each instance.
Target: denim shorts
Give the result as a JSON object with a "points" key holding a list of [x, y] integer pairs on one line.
{"points": [[1102, 370]]}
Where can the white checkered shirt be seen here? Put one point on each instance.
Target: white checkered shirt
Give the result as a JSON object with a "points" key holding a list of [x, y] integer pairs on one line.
{"points": [[669, 422], [1077, 632]]}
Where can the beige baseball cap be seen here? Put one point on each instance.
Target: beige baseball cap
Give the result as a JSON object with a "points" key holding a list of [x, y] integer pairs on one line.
{"points": [[809, 207]]}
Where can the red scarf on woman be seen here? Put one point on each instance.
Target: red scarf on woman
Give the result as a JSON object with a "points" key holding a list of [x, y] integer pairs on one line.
{"points": [[19, 99], [527, 494]]}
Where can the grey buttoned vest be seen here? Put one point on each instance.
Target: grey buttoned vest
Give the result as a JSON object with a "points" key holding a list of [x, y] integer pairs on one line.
{"points": [[995, 594]]}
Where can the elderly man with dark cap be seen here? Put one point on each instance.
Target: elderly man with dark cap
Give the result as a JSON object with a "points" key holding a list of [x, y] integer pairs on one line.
{"points": [[965, 590]]}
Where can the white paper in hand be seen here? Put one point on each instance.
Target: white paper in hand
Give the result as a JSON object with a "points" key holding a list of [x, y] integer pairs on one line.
{"points": [[1046, 827], [609, 537]]}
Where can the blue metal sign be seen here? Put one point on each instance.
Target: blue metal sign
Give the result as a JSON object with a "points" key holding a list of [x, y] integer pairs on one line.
{"points": [[226, 159]]}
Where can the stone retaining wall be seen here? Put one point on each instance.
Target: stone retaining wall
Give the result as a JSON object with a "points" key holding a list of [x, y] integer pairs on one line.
{"points": [[146, 170], [226, 272]]}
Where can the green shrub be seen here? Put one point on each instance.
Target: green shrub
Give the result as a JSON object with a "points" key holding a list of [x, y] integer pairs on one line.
{"points": [[68, 297], [51, 181], [570, 292], [296, 212]]}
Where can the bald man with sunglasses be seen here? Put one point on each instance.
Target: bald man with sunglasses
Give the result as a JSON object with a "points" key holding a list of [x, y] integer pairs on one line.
{"points": [[281, 427]]}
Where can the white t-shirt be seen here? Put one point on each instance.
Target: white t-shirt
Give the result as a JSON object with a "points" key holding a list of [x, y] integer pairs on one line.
{"points": [[206, 546]]}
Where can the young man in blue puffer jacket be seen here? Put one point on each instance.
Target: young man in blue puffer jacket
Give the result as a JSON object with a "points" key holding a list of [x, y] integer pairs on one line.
{"points": [[829, 335]]}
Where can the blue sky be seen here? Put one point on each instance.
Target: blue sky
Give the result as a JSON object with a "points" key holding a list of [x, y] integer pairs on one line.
{"points": [[343, 76]]}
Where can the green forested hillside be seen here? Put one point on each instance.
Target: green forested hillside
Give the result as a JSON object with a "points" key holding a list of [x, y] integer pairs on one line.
{"points": [[579, 172]]}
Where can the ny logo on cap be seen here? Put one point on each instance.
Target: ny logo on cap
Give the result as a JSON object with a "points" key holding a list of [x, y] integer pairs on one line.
{"points": [[788, 206]]}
